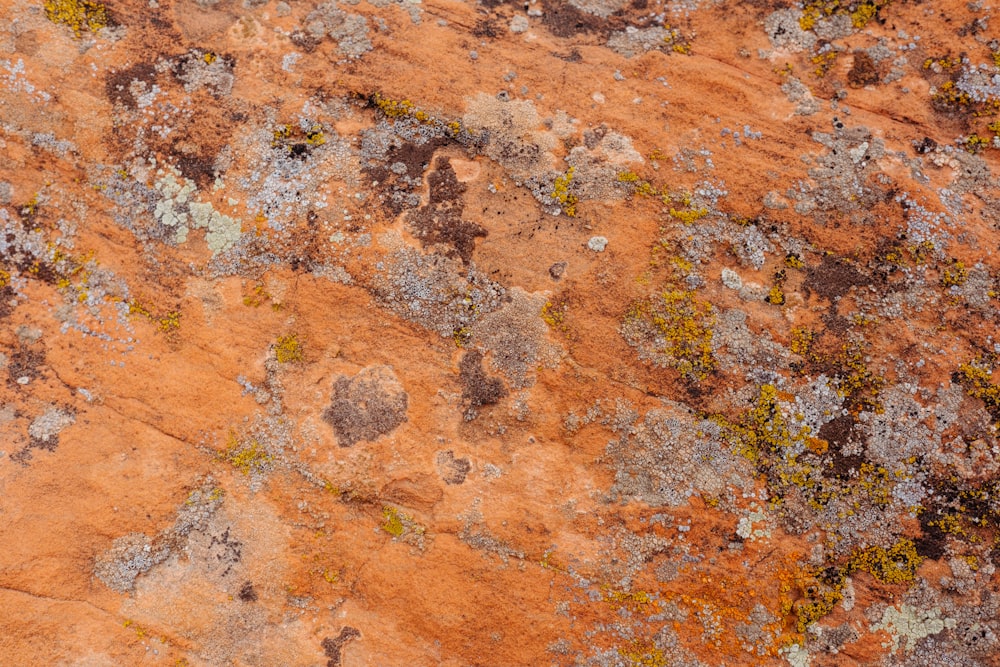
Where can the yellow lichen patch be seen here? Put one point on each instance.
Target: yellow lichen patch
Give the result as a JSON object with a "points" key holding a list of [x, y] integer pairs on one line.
{"points": [[168, 322], [643, 654], [975, 143], [561, 193], [823, 63], [288, 349], [634, 600], [554, 315], [819, 603], [78, 15], [977, 379], [949, 96], [955, 274], [947, 62], [802, 341], [895, 565], [793, 261], [859, 383], [461, 336], [396, 522], [684, 323], [861, 13], [315, 137], [688, 216], [676, 41], [876, 483], [637, 185], [247, 457], [775, 296]]}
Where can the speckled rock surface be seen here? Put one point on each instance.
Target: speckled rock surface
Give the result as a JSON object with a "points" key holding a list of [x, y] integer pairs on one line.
{"points": [[597, 333]]}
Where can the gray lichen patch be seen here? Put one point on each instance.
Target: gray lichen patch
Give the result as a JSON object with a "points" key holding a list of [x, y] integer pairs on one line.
{"points": [[516, 336], [44, 429], [135, 554], [350, 31], [366, 406], [516, 139], [633, 41], [437, 292], [669, 456], [130, 556]]}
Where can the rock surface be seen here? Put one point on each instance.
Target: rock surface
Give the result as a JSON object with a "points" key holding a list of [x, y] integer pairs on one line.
{"points": [[308, 357]]}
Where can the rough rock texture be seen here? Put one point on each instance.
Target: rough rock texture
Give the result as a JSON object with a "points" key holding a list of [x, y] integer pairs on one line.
{"points": [[568, 332]]}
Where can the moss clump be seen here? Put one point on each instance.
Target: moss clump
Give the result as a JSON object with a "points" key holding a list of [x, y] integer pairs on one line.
{"points": [[78, 15], [288, 349]]}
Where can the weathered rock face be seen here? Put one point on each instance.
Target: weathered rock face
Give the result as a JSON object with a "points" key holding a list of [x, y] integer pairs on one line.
{"points": [[569, 333]]}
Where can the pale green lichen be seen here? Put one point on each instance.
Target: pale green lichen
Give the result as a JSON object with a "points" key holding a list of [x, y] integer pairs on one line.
{"points": [[912, 624], [177, 210], [223, 231]]}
